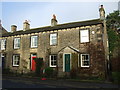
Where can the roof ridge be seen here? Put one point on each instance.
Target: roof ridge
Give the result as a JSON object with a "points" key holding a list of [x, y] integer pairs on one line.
{"points": [[57, 27]]}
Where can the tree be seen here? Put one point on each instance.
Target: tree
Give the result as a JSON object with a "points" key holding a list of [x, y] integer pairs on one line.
{"points": [[113, 28], [113, 23]]}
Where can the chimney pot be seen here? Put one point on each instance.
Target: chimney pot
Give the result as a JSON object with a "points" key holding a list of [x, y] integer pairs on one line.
{"points": [[26, 25], [101, 6], [53, 20], [13, 28], [102, 12], [54, 17]]}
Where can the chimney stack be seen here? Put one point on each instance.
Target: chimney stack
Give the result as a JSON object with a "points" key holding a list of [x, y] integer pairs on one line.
{"points": [[53, 20], [102, 12], [13, 28], [26, 25]]}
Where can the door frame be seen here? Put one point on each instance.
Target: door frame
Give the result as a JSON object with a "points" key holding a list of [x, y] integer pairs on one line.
{"points": [[64, 61], [31, 60]]}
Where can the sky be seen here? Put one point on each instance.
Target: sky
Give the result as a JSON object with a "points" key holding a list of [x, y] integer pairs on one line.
{"points": [[39, 14]]}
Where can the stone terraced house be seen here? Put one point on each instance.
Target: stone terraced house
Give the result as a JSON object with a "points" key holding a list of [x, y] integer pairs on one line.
{"points": [[81, 46]]}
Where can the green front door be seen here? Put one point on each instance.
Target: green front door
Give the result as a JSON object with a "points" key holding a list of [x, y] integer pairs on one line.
{"points": [[67, 62]]}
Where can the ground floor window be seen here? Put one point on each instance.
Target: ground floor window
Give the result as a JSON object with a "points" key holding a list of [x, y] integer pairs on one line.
{"points": [[85, 60], [53, 60], [16, 60]]}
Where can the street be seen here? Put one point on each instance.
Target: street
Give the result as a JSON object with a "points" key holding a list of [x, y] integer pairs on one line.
{"points": [[22, 82]]}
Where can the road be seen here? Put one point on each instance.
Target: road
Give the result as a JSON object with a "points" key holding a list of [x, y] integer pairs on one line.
{"points": [[20, 82], [23, 83]]}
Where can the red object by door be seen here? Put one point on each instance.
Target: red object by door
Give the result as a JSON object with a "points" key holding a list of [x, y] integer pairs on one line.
{"points": [[33, 63]]}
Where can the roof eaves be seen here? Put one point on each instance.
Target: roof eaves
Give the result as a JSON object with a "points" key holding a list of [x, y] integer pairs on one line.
{"points": [[59, 26]]}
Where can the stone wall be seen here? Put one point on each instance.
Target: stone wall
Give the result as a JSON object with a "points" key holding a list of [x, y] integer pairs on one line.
{"points": [[66, 37]]}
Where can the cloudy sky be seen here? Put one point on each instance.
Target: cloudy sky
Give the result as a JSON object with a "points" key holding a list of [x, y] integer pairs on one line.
{"points": [[40, 13]]}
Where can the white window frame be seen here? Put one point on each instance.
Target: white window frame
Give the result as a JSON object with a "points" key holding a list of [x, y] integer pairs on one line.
{"points": [[84, 36], [17, 43], [85, 60], [53, 61], [34, 41], [3, 44], [14, 60], [53, 37]]}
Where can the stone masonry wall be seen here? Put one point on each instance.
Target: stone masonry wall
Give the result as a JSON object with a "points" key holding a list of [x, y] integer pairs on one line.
{"points": [[66, 37]]}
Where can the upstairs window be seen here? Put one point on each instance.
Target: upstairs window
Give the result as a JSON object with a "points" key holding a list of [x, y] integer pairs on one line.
{"points": [[34, 41], [3, 44], [53, 39], [85, 60], [16, 43], [53, 60], [16, 59], [84, 36]]}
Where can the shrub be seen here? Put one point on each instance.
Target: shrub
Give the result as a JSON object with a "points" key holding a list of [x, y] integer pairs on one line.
{"points": [[73, 73], [6, 71], [49, 72], [116, 76], [39, 65]]}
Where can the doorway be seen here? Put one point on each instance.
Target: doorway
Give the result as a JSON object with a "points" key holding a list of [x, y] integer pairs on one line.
{"points": [[33, 63], [3, 60], [67, 62]]}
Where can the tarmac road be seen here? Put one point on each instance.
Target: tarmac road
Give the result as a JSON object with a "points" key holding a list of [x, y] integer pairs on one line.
{"points": [[22, 82]]}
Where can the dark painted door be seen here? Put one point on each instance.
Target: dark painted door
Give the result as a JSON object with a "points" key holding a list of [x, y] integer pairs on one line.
{"points": [[67, 62], [3, 60]]}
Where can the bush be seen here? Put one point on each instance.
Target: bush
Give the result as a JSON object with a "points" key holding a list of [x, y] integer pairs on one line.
{"points": [[49, 72], [116, 77], [6, 71], [39, 65], [73, 73]]}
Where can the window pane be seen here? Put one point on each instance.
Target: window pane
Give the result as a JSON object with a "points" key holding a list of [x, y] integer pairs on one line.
{"points": [[19, 42], [17, 62], [86, 63], [86, 57], [3, 44], [55, 57], [84, 36], [53, 39], [53, 61], [16, 43], [34, 40], [85, 60], [83, 57], [52, 58], [16, 59]]}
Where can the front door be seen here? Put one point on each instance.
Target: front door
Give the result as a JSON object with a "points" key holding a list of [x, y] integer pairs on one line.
{"points": [[33, 64], [3, 60], [67, 62]]}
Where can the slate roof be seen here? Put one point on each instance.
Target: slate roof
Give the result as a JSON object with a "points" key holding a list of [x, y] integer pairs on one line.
{"points": [[57, 27], [2, 31]]}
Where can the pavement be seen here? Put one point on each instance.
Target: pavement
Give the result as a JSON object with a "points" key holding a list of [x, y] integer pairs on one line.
{"points": [[63, 82]]}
